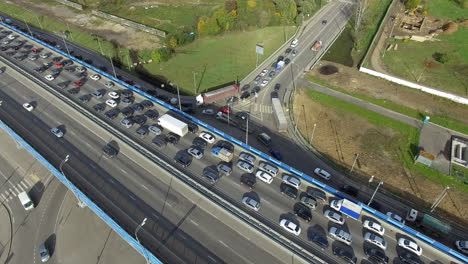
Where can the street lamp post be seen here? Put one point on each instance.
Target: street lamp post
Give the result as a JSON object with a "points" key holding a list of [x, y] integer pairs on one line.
{"points": [[313, 132], [194, 81], [247, 130], [440, 198], [112, 64], [136, 237], [178, 98], [376, 189], [81, 204], [66, 46], [229, 110], [356, 156]]}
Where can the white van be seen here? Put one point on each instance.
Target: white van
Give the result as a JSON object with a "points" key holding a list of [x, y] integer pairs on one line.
{"points": [[322, 173], [269, 168], [26, 201]]}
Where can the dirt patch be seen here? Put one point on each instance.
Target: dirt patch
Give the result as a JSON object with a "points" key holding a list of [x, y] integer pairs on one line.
{"points": [[124, 36], [328, 70], [339, 135]]}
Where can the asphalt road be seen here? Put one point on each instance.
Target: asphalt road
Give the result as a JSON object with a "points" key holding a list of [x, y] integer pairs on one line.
{"points": [[273, 204]]}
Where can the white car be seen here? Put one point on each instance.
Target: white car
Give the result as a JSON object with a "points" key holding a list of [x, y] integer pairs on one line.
{"points": [[44, 55], [111, 103], [462, 245], [341, 235], [322, 173], [373, 226], [57, 132], [114, 95], [264, 83], [155, 129], [49, 77], [294, 43], [95, 77], [28, 107], [336, 204], [251, 203], [11, 36], [290, 227], [126, 122], [208, 111], [410, 245], [264, 176], [195, 152], [396, 217], [291, 180], [376, 240], [247, 157], [245, 166], [264, 72], [109, 84], [334, 217], [208, 137]]}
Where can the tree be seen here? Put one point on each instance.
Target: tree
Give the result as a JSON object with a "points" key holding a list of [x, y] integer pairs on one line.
{"points": [[412, 4], [442, 57], [230, 5]]}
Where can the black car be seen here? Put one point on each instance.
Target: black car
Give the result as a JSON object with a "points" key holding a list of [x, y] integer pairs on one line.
{"points": [[245, 87], [288, 190], [142, 131], [147, 103], [346, 255], [109, 151], [303, 212], [70, 68], [199, 142], [255, 90], [56, 70], [4, 48], [277, 86], [159, 141], [319, 240], [348, 189], [126, 93], [138, 107], [10, 53], [410, 258], [99, 107], [81, 74], [287, 61], [112, 114], [39, 69], [127, 111], [317, 194], [99, 93], [57, 59], [63, 84], [227, 145], [128, 100], [183, 159], [78, 57], [85, 98], [172, 138], [140, 119], [67, 62], [151, 114], [248, 179], [192, 128], [376, 255], [274, 94], [280, 58], [245, 95], [74, 90], [324, 22], [288, 50]]}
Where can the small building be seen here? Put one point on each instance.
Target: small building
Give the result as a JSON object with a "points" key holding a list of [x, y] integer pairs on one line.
{"points": [[459, 154]]}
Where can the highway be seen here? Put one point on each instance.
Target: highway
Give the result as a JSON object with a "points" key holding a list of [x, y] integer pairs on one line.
{"points": [[273, 204]]}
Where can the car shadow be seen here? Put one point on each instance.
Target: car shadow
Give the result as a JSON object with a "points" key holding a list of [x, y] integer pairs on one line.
{"points": [[51, 243], [36, 193]]}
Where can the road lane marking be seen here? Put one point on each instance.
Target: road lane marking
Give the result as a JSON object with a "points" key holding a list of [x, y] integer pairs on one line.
{"points": [[144, 186], [133, 198], [222, 243], [194, 223], [24, 185], [3, 197], [16, 189], [29, 183], [214, 260], [21, 188]]}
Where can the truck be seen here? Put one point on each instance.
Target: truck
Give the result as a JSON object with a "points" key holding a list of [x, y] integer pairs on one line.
{"points": [[279, 66], [316, 45], [218, 94], [222, 153], [173, 124], [228, 119], [280, 118]]}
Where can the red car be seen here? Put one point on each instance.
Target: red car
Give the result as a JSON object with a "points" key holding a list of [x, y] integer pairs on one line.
{"points": [[225, 109], [59, 64], [36, 50], [78, 83]]}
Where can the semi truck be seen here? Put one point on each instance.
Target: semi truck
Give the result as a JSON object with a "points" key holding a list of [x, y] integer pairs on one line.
{"points": [[316, 45], [279, 66], [280, 118], [173, 124], [222, 153], [218, 94]]}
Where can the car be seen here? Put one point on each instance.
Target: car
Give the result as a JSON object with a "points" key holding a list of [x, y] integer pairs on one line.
{"points": [[28, 106], [264, 176], [184, 160], [324, 22], [340, 235], [138, 87], [95, 77], [294, 43], [211, 174], [257, 79], [45, 55], [376, 240], [249, 180], [303, 212], [20, 58], [59, 65], [81, 69], [57, 59], [287, 61], [334, 217], [348, 189], [309, 201], [159, 141], [151, 114], [224, 168], [109, 84], [396, 217], [373, 226], [98, 93], [288, 190], [247, 157], [245, 166], [336, 204], [114, 95], [271, 75], [140, 119], [112, 114], [318, 240], [44, 252], [411, 215], [346, 255], [33, 57], [208, 137], [208, 111], [147, 103], [318, 194], [155, 129], [274, 94], [111, 103], [195, 152], [70, 69], [245, 87], [67, 62], [78, 83], [128, 101], [462, 245], [291, 180], [40, 69], [138, 107], [85, 98], [245, 95], [126, 93], [409, 258], [276, 154], [322, 173], [99, 107], [49, 77], [57, 132], [251, 203], [288, 50], [294, 53], [172, 138], [264, 72], [255, 90], [56, 71], [109, 151], [142, 131], [227, 109], [264, 138], [11, 36], [410, 246], [290, 226], [192, 127], [126, 122], [376, 255], [264, 83]]}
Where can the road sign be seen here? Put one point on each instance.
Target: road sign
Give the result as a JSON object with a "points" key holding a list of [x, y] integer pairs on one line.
{"points": [[351, 209]]}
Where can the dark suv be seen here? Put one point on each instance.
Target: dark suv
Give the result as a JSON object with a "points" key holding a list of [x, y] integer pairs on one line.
{"points": [[346, 255], [303, 212], [288, 190], [321, 241], [109, 151], [410, 258], [348, 189], [184, 160], [248, 179], [172, 138], [318, 194], [376, 255]]}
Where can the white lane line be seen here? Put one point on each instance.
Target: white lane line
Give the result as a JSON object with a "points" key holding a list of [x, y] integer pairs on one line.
{"points": [[3, 197], [133, 198], [222, 243], [11, 192], [24, 184], [124, 171], [155, 215], [16, 189], [193, 222], [144, 186], [21, 188], [28, 182], [214, 260]]}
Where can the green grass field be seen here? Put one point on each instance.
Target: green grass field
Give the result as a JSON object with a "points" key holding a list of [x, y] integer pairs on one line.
{"points": [[221, 59], [340, 51], [445, 9], [407, 140]]}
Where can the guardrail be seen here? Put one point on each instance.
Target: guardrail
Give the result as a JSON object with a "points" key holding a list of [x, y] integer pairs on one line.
{"points": [[285, 167]]}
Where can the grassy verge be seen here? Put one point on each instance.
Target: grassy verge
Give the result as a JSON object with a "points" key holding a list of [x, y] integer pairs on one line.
{"points": [[406, 144], [212, 61], [340, 52], [442, 121]]}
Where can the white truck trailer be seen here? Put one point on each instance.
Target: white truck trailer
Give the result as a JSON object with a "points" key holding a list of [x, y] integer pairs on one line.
{"points": [[173, 124], [280, 118]]}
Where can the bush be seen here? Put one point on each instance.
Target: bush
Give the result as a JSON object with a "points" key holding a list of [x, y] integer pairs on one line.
{"points": [[442, 57], [411, 4]]}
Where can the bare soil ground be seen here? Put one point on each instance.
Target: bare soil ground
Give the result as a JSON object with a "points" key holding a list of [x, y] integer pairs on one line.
{"points": [[125, 36], [340, 134]]}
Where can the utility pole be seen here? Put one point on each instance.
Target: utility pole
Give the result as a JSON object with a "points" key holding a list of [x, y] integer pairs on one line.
{"points": [[178, 98], [81, 204], [71, 35], [313, 132], [30, 33], [247, 130], [439, 198], [194, 81], [305, 120], [112, 64], [66, 46], [356, 156], [377, 188], [136, 237]]}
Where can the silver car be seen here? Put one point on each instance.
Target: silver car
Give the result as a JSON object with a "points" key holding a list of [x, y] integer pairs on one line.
{"points": [[155, 129], [245, 166], [247, 157], [309, 201], [251, 203], [126, 122], [195, 152], [57, 132], [44, 253]]}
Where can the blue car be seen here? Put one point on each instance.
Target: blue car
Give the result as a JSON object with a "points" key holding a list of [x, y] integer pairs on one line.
{"points": [[276, 154]]}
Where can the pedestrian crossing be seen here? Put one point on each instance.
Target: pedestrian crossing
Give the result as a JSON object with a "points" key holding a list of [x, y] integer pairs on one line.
{"points": [[266, 109], [10, 193]]}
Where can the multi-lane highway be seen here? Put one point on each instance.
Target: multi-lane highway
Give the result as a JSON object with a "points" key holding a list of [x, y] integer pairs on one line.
{"points": [[273, 204]]}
